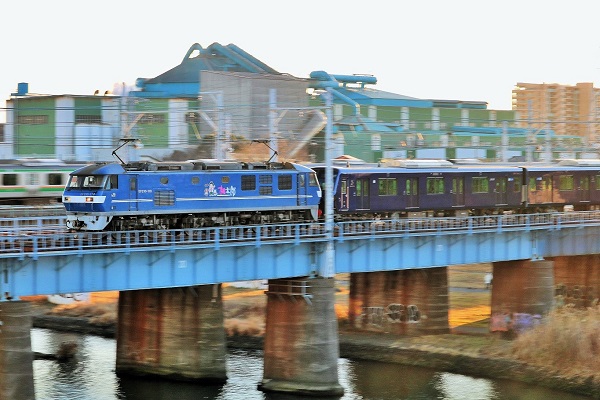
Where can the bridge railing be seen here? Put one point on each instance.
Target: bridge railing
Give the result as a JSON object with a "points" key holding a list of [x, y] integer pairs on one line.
{"points": [[32, 224], [34, 238]]}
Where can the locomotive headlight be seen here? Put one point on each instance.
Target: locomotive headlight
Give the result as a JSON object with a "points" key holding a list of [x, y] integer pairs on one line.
{"points": [[89, 199], [67, 200]]}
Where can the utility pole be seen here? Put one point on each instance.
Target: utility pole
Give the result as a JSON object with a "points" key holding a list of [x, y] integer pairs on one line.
{"points": [[328, 270], [273, 122]]}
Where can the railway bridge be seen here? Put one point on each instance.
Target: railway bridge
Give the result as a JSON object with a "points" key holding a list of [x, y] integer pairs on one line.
{"points": [[170, 305]]}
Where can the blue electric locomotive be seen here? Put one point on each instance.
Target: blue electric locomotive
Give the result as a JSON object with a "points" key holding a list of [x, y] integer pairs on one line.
{"points": [[149, 195]]}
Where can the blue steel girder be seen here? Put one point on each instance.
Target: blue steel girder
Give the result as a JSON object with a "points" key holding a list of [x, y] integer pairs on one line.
{"points": [[65, 263]]}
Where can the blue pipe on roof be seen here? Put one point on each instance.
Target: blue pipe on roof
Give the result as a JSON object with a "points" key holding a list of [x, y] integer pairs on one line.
{"points": [[325, 80], [195, 46], [251, 58], [364, 79], [232, 55]]}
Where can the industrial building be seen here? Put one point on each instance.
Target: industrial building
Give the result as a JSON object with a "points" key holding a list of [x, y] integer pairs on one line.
{"points": [[223, 93]]}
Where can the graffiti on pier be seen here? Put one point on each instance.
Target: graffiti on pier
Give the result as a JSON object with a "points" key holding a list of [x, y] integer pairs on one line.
{"points": [[392, 314], [579, 295]]}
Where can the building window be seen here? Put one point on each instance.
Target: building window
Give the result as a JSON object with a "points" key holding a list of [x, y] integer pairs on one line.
{"points": [[388, 187], [150, 119], [32, 119], [284, 182], [435, 185], [481, 185], [88, 119], [248, 182]]}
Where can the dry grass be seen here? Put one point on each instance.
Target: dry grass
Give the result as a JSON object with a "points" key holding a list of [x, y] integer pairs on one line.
{"points": [[98, 313], [568, 339], [244, 311]]}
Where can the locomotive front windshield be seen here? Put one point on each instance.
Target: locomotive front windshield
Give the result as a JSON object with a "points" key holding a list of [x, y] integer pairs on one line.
{"points": [[312, 179], [94, 182]]}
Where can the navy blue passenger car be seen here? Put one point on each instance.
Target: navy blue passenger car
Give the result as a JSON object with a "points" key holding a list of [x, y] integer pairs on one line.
{"points": [[418, 188]]}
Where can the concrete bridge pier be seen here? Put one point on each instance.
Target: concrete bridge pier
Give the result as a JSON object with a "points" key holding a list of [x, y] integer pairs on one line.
{"points": [[176, 333], [301, 347], [16, 357], [404, 302], [577, 279], [522, 292]]}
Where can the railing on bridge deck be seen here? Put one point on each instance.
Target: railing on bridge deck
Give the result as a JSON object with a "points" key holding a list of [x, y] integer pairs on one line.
{"points": [[17, 211], [36, 236]]}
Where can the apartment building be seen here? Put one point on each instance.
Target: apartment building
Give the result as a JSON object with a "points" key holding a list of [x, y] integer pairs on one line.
{"points": [[567, 110]]}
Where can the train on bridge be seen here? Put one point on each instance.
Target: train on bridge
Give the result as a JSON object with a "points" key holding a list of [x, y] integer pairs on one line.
{"points": [[170, 195], [441, 188], [33, 181], [180, 195]]}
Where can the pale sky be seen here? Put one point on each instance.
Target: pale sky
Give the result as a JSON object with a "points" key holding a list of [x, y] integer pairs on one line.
{"points": [[437, 49]]}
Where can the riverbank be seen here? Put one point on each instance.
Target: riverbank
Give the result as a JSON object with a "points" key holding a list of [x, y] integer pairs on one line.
{"points": [[469, 349], [486, 356]]}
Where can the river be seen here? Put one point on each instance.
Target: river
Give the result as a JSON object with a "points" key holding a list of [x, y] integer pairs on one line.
{"points": [[91, 376]]}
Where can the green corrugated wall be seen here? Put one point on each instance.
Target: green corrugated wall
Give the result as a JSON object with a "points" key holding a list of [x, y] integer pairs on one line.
{"points": [[35, 139]]}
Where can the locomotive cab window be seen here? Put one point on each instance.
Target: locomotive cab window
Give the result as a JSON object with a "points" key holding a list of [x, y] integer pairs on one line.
{"points": [[224, 179], [87, 182], [164, 180], [113, 182], [312, 179], [195, 180]]}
